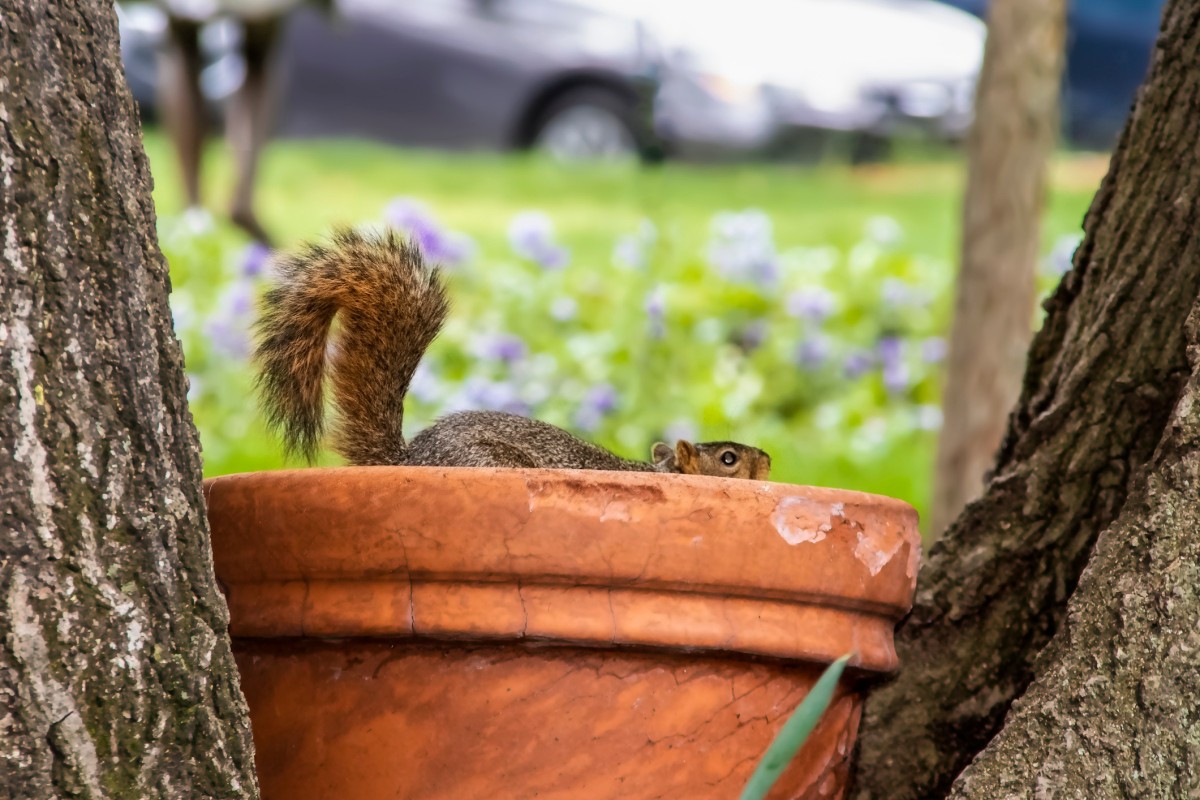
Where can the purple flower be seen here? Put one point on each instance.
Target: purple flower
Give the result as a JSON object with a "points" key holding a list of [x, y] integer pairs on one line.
{"points": [[884, 230], [553, 257], [406, 213], [529, 229], [254, 259], [811, 303], [481, 393], [602, 397], [680, 429], [764, 272], [897, 294], [628, 253], [753, 334], [812, 352], [933, 350], [599, 402], [229, 328], [531, 236], [437, 244], [928, 418], [425, 385], [891, 350], [633, 251], [506, 347], [656, 311], [742, 248], [895, 377], [238, 299], [858, 363], [228, 337], [564, 309]]}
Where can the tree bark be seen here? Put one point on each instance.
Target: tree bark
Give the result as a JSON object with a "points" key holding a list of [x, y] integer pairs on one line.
{"points": [[116, 678], [1111, 711], [1104, 374], [1015, 130]]}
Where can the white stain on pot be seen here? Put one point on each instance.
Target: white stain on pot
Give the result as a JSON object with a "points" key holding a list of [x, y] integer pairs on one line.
{"points": [[875, 548], [799, 520], [616, 510], [914, 562], [535, 492]]}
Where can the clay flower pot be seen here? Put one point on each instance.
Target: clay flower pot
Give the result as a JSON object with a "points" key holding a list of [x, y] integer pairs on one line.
{"points": [[468, 633]]}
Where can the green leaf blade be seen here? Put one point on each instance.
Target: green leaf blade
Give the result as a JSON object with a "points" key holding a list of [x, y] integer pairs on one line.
{"points": [[794, 732]]}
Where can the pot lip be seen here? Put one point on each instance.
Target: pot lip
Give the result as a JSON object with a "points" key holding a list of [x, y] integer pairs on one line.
{"points": [[573, 556], [317, 475]]}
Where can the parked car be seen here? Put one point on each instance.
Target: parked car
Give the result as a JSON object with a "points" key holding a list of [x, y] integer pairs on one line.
{"points": [[569, 76], [492, 74], [1109, 44], [872, 67], [588, 78]]}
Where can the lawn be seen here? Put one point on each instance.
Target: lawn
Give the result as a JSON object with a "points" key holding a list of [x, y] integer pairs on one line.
{"points": [[806, 319]]}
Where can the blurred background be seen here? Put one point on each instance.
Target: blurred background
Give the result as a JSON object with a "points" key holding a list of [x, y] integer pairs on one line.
{"points": [[659, 218]]}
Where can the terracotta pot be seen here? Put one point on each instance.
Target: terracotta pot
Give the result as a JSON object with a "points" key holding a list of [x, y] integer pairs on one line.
{"points": [[461, 633]]}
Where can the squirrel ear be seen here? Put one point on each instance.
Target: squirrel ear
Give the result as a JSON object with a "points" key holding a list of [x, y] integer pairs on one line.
{"points": [[762, 467], [662, 454], [686, 457]]}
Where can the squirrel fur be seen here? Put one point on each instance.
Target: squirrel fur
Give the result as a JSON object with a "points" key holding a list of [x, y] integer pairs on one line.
{"points": [[390, 305]]}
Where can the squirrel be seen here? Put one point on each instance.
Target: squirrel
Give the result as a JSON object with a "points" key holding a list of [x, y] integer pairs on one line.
{"points": [[390, 306]]}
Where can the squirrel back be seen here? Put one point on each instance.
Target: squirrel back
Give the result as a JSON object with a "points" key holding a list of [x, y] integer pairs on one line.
{"points": [[499, 439], [390, 307]]}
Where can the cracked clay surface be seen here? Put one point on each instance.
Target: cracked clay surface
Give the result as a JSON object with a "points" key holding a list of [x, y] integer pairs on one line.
{"points": [[564, 634]]}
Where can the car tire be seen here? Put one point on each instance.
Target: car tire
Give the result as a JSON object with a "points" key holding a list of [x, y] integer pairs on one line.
{"points": [[870, 148], [589, 125]]}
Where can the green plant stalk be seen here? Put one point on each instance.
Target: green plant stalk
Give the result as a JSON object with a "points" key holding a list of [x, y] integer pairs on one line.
{"points": [[794, 733]]}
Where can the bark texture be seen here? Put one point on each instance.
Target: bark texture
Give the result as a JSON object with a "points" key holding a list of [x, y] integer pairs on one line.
{"points": [[1015, 130], [1103, 376], [1113, 710], [116, 678]]}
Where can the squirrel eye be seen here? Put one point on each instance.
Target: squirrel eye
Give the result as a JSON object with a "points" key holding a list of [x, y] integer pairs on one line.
{"points": [[728, 458]]}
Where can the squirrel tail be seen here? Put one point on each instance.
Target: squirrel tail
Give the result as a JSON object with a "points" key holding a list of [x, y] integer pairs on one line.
{"points": [[390, 307]]}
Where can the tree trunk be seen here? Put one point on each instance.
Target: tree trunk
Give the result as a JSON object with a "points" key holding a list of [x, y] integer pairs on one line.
{"points": [[1015, 130], [116, 678], [1104, 375], [1111, 712]]}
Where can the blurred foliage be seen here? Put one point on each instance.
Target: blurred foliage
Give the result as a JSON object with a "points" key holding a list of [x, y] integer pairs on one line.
{"points": [[801, 310]]}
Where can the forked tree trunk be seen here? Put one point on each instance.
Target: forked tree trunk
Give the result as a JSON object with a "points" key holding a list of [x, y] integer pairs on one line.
{"points": [[1098, 469], [116, 678], [1015, 130]]}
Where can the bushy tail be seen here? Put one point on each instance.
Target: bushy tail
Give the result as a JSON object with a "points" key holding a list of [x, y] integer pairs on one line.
{"points": [[391, 308]]}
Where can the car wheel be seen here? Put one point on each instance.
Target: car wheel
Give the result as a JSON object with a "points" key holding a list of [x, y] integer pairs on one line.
{"points": [[870, 148], [588, 125]]}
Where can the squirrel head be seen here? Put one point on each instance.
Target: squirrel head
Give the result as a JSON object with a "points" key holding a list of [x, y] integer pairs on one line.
{"points": [[719, 459]]}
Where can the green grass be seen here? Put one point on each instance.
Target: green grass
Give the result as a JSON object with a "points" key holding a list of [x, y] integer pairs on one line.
{"points": [[307, 187]]}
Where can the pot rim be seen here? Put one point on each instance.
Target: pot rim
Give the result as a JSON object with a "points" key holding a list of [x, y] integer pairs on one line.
{"points": [[576, 557]]}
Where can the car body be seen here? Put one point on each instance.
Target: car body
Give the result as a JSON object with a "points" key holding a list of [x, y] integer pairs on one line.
{"points": [[1109, 45], [446, 73], [469, 74], [584, 78], [878, 67]]}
